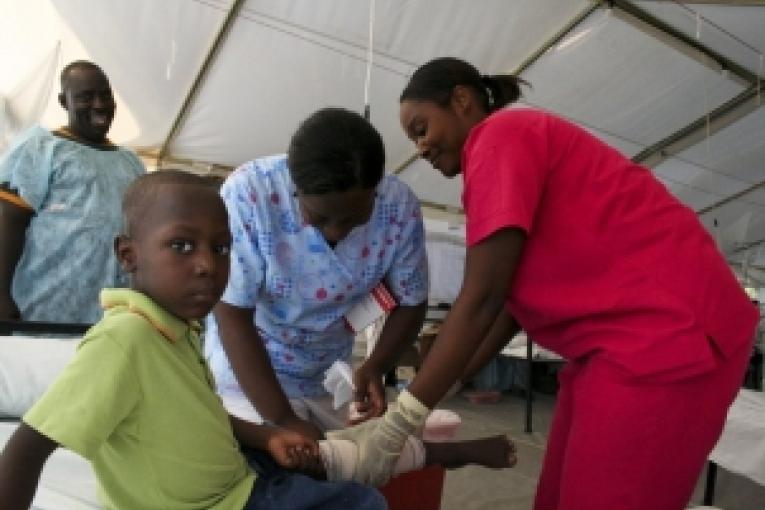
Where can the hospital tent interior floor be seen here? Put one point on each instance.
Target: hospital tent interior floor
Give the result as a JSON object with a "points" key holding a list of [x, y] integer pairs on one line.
{"points": [[475, 488]]}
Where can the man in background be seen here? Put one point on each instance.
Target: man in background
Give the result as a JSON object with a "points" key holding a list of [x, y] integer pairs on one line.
{"points": [[60, 195]]}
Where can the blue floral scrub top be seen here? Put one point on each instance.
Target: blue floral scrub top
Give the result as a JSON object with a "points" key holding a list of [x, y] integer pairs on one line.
{"points": [[76, 192], [301, 288]]}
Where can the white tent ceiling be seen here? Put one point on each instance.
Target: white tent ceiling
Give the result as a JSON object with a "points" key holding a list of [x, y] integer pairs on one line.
{"points": [[673, 84]]}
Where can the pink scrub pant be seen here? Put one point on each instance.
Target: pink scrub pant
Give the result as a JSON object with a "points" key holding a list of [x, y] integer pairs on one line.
{"points": [[624, 444]]}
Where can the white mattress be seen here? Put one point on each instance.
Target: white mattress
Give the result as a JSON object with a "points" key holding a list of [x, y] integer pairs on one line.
{"points": [[516, 348], [67, 480], [741, 448]]}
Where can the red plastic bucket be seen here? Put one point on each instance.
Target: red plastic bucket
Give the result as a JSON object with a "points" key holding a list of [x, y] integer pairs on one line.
{"points": [[416, 490]]}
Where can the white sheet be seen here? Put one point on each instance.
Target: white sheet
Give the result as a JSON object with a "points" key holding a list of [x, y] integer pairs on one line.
{"points": [[741, 448], [516, 348], [28, 365], [67, 481], [446, 264]]}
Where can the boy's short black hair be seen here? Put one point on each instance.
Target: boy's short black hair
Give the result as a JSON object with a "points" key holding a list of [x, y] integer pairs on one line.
{"points": [[335, 150], [143, 191]]}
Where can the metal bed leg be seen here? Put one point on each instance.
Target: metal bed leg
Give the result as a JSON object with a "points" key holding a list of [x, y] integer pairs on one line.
{"points": [[528, 386], [709, 486]]}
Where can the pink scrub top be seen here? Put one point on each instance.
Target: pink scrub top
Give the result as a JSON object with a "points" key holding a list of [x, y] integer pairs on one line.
{"points": [[613, 263]]}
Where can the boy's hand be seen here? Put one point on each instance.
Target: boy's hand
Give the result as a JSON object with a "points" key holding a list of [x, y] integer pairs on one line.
{"points": [[293, 450]]}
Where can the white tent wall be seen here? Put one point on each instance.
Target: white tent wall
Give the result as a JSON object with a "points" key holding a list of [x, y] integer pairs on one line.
{"points": [[287, 58], [622, 80], [151, 51], [726, 164], [732, 28], [672, 84], [26, 104], [35, 44]]}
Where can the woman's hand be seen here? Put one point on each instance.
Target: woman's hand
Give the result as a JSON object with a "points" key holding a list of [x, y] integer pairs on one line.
{"points": [[370, 393], [293, 450]]}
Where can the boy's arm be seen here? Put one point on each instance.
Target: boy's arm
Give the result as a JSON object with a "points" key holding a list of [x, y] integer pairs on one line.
{"points": [[252, 435], [253, 370], [21, 463], [14, 219], [288, 448], [501, 332]]}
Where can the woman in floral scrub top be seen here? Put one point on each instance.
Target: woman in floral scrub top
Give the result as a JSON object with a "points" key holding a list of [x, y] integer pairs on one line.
{"points": [[314, 232]]}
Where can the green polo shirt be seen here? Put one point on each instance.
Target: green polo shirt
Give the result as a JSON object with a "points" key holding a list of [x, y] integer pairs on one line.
{"points": [[138, 402]]}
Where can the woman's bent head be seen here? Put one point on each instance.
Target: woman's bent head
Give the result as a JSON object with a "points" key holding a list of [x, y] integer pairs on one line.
{"points": [[336, 160]]}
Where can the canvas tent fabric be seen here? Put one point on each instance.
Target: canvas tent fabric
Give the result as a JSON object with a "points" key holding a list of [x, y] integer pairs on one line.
{"points": [[205, 84]]}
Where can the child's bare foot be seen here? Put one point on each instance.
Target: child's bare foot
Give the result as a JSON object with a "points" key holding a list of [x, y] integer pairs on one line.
{"points": [[493, 452]]}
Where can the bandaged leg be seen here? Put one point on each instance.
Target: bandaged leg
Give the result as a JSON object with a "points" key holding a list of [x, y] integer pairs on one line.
{"points": [[497, 452], [339, 458]]}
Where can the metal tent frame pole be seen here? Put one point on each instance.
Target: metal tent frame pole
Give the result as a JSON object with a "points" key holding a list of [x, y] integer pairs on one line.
{"points": [[204, 69]]}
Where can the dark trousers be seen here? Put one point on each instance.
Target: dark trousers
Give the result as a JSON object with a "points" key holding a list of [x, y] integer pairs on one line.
{"points": [[278, 489]]}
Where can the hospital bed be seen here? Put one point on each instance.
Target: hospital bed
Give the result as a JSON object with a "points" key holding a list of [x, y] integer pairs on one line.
{"points": [[27, 365]]}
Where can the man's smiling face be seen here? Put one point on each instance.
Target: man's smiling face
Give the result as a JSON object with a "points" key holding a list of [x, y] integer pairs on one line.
{"points": [[87, 98]]}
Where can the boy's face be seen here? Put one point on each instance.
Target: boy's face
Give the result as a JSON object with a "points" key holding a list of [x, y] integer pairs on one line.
{"points": [[178, 253]]}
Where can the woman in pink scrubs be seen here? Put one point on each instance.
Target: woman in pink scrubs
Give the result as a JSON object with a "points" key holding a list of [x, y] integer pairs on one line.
{"points": [[596, 260]]}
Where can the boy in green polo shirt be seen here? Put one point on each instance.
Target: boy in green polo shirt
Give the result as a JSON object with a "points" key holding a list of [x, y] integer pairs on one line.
{"points": [[138, 400]]}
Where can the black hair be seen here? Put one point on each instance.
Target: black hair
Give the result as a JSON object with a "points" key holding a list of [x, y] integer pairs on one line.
{"points": [[143, 190], [74, 66], [335, 150], [435, 81]]}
